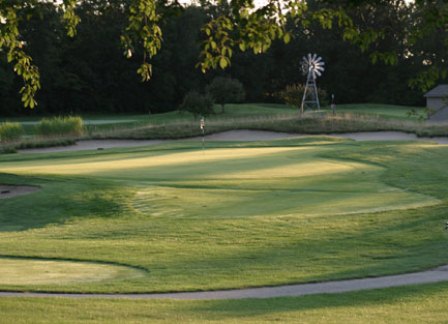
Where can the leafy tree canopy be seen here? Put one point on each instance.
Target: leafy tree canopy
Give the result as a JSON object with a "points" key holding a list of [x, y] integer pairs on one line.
{"points": [[243, 26], [197, 104], [226, 90]]}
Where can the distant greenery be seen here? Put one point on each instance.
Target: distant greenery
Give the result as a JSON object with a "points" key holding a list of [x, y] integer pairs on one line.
{"points": [[292, 95], [78, 78], [404, 305], [226, 90], [60, 126], [197, 104], [10, 132], [274, 117]]}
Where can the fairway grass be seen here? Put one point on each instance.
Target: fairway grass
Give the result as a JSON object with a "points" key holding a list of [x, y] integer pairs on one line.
{"points": [[231, 216], [413, 304]]}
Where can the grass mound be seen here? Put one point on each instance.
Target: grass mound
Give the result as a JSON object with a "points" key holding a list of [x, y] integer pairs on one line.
{"points": [[232, 215]]}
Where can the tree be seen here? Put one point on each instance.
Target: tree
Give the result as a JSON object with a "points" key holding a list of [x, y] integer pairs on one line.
{"points": [[242, 26], [197, 104], [225, 90]]}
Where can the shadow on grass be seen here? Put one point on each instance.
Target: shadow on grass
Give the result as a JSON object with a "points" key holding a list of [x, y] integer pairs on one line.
{"points": [[35, 258], [56, 203]]}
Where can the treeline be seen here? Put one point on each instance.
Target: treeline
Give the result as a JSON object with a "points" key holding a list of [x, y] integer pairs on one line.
{"points": [[89, 73]]}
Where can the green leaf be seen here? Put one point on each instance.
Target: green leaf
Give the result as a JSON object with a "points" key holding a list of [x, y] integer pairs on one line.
{"points": [[223, 63]]}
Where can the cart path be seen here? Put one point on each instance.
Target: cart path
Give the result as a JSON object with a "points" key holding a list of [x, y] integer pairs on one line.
{"points": [[331, 287], [235, 135]]}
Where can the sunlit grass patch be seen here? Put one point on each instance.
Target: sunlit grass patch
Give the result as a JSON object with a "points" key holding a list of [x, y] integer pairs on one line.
{"points": [[31, 272]]}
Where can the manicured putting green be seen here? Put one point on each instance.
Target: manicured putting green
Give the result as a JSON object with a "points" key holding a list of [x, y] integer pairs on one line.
{"points": [[47, 272], [239, 182]]}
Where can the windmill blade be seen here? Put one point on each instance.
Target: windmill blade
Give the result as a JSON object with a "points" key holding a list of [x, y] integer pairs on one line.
{"points": [[312, 65]]}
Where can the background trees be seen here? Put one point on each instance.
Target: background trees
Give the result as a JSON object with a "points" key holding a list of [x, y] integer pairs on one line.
{"points": [[88, 73], [292, 95], [198, 104], [225, 90]]}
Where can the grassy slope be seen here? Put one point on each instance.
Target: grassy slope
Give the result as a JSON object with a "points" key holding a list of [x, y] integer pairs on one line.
{"points": [[274, 117], [232, 111], [416, 304], [390, 111], [194, 219], [253, 113]]}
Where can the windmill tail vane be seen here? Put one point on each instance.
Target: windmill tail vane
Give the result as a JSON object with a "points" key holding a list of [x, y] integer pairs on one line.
{"points": [[312, 67]]}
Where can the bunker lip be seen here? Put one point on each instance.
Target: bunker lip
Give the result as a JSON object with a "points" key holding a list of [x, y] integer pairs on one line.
{"points": [[16, 271], [9, 191], [235, 135]]}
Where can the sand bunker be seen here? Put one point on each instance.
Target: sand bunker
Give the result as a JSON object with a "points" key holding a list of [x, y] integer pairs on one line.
{"points": [[9, 191], [234, 135], [17, 271]]}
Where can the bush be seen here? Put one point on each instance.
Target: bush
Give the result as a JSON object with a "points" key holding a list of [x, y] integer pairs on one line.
{"points": [[198, 104], [60, 126], [292, 95], [226, 90], [10, 131]]}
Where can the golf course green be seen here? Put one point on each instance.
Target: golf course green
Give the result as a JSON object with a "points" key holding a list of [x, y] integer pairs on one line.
{"points": [[231, 215]]}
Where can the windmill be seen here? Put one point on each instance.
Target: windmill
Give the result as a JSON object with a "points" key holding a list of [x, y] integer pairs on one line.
{"points": [[312, 67]]}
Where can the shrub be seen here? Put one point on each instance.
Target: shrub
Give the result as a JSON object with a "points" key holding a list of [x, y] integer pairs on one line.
{"points": [[226, 90], [10, 131], [292, 95], [60, 126], [198, 104]]}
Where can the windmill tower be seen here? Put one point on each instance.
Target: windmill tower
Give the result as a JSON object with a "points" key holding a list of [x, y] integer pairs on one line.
{"points": [[312, 67]]}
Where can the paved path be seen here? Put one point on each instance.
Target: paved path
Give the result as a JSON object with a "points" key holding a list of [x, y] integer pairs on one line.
{"points": [[331, 287], [235, 135]]}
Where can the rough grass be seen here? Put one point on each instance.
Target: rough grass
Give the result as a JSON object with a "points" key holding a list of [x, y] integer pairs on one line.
{"points": [[414, 304], [60, 126], [273, 117], [233, 215], [309, 124], [10, 132]]}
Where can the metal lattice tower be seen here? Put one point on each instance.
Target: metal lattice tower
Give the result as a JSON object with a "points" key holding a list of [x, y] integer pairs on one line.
{"points": [[312, 67]]}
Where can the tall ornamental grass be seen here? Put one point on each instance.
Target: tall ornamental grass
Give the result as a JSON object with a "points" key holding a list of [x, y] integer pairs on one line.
{"points": [[10, 132], [60, 126]]}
